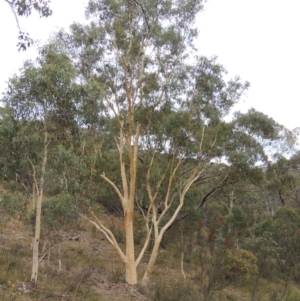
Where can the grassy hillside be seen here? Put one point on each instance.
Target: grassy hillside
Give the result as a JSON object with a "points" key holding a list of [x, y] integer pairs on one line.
{"points": [[90, 270], [79, 264]]}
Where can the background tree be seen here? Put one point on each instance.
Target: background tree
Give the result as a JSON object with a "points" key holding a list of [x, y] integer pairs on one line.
{"points": [[283, 180], [21, 8], [42, 102]]}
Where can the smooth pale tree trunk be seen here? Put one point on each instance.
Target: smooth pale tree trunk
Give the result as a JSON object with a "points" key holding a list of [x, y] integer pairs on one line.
{"points": [[35, 252], [151, 263], [131, 275], [39, 189], [33, 196]]}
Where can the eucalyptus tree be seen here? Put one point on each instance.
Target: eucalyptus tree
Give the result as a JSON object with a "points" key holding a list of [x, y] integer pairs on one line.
{"points": [[276, 240], [42, 101], [8, 157], [24, 8], [164, 107], [283, 180]]}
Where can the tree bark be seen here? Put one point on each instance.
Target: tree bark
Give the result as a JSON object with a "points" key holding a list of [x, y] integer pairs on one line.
{"points": [[152, 260], [35, 252], [39, 189], [131, 275]]}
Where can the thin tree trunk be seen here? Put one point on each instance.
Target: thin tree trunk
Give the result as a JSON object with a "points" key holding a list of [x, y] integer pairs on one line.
{"points": [[181, 266], [39, 189], [36, 242], [33, 196], [286, 282], [59, 260], [152, 260], [182, 257], [252, 298]]}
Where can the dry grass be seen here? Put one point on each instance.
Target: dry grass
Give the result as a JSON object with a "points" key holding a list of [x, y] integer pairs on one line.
{"points": [[91, 270]]}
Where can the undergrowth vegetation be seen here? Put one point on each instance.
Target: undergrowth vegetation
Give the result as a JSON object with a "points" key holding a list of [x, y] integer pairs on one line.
{"points": [[78, 264]]}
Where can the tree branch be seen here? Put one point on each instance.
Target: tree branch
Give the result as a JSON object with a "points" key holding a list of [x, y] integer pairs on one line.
{"points": [[108, 234], [114, 187], [220, 185], [149, 231]]}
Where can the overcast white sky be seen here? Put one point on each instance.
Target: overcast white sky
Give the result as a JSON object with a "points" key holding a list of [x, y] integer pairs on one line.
{"points": [[255, 39]]}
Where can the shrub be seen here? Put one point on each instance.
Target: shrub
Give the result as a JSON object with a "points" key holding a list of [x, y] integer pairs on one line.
{"points": [[292, 296], [57, 211], [240, 264]]}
